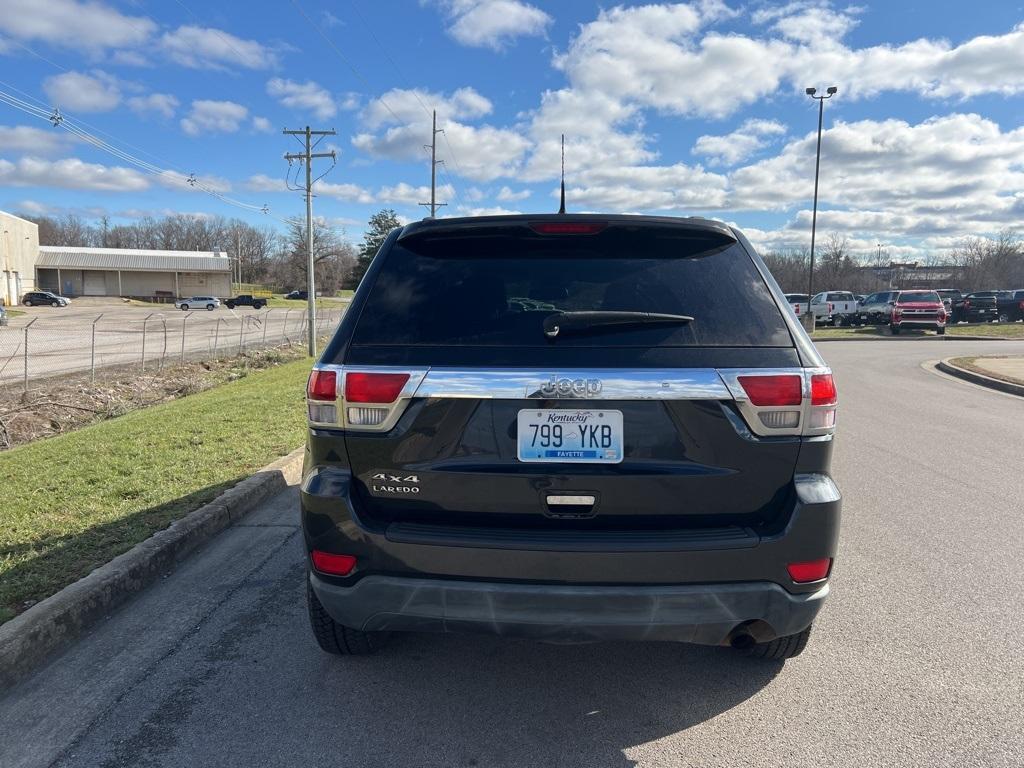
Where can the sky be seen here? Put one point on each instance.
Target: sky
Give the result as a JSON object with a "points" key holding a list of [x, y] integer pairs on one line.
{"points": [[686, 109]]}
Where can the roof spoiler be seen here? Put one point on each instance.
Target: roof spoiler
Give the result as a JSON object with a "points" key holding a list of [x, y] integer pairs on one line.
{"points": [[714, 234]]}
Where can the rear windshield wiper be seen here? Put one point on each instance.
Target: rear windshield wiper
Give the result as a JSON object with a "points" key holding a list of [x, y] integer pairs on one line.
{"points": [[577, 322]]}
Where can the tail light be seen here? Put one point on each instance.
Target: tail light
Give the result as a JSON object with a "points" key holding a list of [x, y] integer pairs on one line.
{"points": [[322, 396], [831, 307], [812, 570], [568, 227], [967, 304], [374, 387], [370, 400], [1021, 306], [332, 564], [785, 402]]}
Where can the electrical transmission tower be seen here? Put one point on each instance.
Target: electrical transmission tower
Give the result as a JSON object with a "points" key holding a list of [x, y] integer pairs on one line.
{"points": [[433, 205], [307, 157]]}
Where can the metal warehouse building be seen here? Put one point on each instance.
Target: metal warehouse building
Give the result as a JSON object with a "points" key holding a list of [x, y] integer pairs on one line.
{"points": [[74, 271], [19, 246]]}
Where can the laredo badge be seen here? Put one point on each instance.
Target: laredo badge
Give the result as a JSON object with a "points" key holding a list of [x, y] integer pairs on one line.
{"points": [[389, 484]]}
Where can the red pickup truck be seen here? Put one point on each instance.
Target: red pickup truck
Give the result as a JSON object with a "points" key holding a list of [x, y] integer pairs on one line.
{"points": [[918, 309]]}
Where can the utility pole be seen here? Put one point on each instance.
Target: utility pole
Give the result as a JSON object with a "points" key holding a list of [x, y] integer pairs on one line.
{"points": [[433, 205], [308, 157]]}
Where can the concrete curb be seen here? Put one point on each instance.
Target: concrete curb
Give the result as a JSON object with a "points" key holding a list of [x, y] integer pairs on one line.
{"points": [[977, 378], [27, 640]]}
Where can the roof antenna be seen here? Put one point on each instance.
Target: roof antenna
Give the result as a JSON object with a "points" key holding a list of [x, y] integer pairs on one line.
{"points": [[561, 208]]}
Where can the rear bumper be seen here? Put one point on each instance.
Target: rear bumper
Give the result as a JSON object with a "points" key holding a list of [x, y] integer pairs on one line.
{"points": [[706, 614], [651, 585]]}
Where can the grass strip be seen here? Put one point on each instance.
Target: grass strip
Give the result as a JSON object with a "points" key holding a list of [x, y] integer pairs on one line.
{"points": [[72, 503]]}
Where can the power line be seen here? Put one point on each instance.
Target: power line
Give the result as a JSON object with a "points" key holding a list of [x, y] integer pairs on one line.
{"points": [[415, 93], [242, 56], [57, 119], [359, 75]]}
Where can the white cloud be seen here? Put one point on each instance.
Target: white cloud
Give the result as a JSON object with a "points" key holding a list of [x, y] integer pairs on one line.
{"points": [[70, 173], [496, 210], [401, 105], [214, 117], [493, 23], [89, 26], [349, 193], [262, 125], [505, 194], [79, 92], [263, 183], [209, 48], [733, 147], [406, 194], [955, 165], [23, 139], [477, 152], [309, 97], [808, 21], [162, 104], [676, 187]]}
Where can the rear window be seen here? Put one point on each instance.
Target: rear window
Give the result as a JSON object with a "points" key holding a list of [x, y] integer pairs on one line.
{"points": [[919, 296], [463, 291]]}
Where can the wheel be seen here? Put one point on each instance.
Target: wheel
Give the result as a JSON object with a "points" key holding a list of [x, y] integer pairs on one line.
{"points": [[54, 303], [785, 647], [1003, 318], [894, 330], [26, 303], [941, 331], [335, 638], [209, 307], [230, 306], [184, 307]]}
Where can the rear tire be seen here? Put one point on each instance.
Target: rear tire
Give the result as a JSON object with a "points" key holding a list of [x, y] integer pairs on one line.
{"points": [[336, 638], [209, 307], [26, 303], [785, 647]]}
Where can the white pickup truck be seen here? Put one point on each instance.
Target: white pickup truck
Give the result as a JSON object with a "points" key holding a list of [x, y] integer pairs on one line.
{"points": [[798, 303], [834, 308]]}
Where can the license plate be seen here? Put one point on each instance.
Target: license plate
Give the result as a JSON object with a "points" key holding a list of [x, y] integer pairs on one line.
{"points": [[563, 435]]}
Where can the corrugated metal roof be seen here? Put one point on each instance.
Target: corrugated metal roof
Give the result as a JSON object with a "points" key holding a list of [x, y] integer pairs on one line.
{"points": [[129, 259]]}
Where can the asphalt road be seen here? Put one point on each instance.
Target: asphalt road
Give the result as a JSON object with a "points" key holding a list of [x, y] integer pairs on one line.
{"points": [[916, 659], [61, 339]]}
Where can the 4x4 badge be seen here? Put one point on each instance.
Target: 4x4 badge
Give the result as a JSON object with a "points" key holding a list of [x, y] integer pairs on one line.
{"points": [[566, 387]]}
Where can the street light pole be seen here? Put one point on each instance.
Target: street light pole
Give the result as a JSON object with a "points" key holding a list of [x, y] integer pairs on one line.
{"points": [[829, 93]]}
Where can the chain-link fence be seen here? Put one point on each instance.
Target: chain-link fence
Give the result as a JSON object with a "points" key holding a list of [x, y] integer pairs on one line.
{"points": [[46, 347]]}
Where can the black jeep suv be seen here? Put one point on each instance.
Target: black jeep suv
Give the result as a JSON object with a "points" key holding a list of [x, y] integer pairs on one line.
{"points": [[570, 428]]}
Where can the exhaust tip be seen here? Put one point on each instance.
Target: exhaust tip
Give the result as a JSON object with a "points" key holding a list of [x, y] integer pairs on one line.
{"points": [[742, 641]]}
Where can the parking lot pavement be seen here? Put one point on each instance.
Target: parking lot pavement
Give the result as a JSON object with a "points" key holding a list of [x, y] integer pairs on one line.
{"points": [[916, 659]]}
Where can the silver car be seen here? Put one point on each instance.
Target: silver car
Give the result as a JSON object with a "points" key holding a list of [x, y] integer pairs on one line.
{"points": [[198, 302]]}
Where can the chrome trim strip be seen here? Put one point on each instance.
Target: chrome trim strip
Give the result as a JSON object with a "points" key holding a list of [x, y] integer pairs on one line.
{"points": [[615, 384], [583, 501]]}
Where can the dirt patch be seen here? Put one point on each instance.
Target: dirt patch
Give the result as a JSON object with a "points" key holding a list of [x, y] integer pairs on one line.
{"points": [[69, 402]]}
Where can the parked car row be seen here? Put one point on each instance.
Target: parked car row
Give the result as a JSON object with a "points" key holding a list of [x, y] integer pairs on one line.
{"points": [[845, 308]]}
